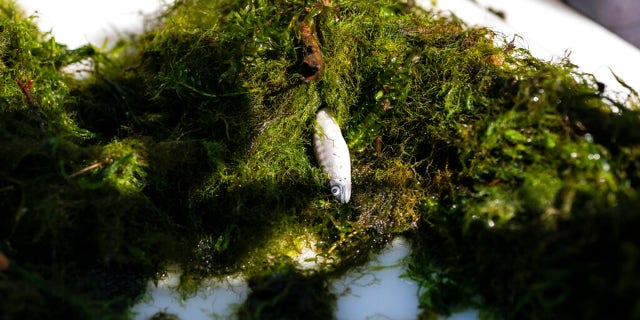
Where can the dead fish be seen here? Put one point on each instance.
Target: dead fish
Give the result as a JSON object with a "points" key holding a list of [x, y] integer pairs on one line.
{"points": [[332, 154]]}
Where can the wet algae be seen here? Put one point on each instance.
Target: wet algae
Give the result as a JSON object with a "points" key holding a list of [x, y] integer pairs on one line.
{"points": [[515, 179]]}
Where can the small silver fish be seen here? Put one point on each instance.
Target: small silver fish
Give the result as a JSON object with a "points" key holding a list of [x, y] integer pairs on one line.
{"points": [[332, 154]]}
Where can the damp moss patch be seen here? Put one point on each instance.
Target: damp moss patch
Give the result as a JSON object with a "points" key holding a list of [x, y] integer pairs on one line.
{"points": [[515, 179]]}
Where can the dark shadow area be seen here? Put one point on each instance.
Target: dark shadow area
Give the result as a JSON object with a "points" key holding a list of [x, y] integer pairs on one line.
{"points": [[288, 294], [245, 217], [581, 267]]}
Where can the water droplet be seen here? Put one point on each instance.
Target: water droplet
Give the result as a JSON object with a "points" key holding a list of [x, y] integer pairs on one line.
{"points": [[588, 137], [574, 154]]}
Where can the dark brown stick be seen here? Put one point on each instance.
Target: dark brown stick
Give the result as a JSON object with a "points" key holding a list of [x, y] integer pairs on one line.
{"points": [[26, 89], [312, 54]]}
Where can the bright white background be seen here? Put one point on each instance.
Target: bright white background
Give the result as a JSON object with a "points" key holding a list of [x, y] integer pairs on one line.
{"points": [[76, 22]]}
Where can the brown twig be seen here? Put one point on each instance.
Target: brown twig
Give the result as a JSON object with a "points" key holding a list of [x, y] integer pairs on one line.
{"points": [[26, 89], [312, 54], [86, 169], [4, 262]]}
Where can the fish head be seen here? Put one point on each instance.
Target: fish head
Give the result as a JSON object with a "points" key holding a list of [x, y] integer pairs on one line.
{"points": [[341, 190]]}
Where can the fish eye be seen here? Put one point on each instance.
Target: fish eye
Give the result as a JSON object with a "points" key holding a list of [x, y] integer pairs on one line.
{"points": [[335, 190]]}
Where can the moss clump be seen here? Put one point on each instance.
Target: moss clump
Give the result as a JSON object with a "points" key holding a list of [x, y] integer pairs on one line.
{"points": [[516, 179], [284, 292]]}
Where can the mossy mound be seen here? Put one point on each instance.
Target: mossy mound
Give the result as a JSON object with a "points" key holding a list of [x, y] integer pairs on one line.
{"points": [[515, 179]]}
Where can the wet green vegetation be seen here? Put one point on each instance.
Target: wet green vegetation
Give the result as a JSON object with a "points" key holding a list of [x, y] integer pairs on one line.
{"points": [[515, 179]]}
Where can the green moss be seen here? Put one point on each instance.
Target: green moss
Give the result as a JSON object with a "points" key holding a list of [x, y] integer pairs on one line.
{"points": [[189, 145], [284, 292]]}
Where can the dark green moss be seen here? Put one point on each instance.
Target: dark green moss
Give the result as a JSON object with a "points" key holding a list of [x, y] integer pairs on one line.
{"points": [[516, 179], [285, 292]]}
